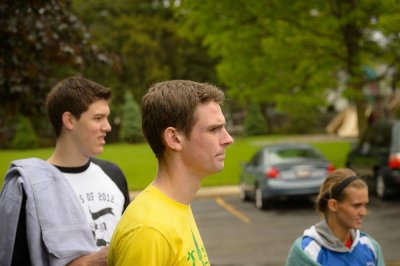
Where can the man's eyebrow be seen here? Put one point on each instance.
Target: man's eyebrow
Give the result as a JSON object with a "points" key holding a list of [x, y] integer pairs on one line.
{"points": [[217, 125]]}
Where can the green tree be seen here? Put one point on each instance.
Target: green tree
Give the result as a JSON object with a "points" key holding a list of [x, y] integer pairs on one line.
{"points": [[143, 40], [273, 49], [131, 123], [302, 119], [41, 42], [255, 123], [25, 137]]}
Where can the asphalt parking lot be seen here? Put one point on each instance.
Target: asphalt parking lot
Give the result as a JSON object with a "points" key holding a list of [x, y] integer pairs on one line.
{"points": [[237, 233]]}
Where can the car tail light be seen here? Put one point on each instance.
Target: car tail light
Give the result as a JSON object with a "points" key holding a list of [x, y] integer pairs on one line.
{"points": [[394, 160], [330, 168], [272, 172]]}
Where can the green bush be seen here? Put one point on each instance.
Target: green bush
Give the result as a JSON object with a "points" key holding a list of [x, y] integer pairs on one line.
{"points": [[302, 122], [131, 125], [25, 137], [255, 123]]}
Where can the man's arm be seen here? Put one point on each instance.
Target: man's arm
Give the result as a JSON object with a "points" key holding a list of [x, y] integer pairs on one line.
{"points": [[141, 247], [98, 258]]}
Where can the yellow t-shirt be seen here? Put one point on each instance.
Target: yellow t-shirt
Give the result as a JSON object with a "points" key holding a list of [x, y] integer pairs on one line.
{"points": [[157, 231]]}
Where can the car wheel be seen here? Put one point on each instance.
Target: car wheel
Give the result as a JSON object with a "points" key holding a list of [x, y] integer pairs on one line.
{"points": [[242, 193], [261, 203], [380, 187]]}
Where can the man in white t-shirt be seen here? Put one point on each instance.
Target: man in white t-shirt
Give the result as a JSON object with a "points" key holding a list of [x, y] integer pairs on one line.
{"points": [[78, 110]]}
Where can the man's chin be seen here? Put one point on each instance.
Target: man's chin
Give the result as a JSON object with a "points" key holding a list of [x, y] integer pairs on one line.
{"points": [[219, 168], [97, 152]]}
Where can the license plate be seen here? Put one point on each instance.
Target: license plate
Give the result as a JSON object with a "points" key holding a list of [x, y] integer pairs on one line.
{"points": [[303, 173]]}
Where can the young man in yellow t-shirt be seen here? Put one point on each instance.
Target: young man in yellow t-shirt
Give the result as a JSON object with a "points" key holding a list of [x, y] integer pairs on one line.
{"points": [[185, 127]]}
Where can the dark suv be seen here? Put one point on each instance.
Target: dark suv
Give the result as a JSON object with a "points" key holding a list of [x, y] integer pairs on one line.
{"points": [[377, 158]]}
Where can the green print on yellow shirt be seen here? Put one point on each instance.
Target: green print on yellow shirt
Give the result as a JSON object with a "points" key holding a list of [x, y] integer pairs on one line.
{"points": [[174, 223], [199, 252]]}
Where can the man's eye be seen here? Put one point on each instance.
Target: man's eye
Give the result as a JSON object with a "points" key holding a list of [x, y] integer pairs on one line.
{"points": [[360, 205]]}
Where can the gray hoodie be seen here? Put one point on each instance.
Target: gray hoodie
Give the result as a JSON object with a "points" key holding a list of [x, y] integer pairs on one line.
{"points": [[323, 235], [56, 227]]}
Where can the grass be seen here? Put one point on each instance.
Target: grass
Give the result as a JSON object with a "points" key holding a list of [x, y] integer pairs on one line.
{"points": [[140, 165]]}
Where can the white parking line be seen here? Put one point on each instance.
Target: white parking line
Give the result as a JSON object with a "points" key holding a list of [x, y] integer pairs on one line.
{"points": [[232, 210]]}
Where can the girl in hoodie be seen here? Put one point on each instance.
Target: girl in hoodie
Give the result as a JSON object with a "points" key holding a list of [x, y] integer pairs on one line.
{"points": [[337, 240]]}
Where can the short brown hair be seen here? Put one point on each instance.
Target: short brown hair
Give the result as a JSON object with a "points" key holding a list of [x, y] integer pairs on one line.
{"points": [[75, 95], [330, 185], [172, 104]]}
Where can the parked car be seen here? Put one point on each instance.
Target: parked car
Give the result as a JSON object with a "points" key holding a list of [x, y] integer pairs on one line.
{"points": [[283, 170], [376, 157]]}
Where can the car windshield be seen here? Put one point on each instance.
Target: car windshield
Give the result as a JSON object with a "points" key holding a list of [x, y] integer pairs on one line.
{"points": [[293, 154]]}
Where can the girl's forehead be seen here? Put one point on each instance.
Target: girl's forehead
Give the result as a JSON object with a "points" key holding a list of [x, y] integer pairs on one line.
{"points": [[355, 193]]}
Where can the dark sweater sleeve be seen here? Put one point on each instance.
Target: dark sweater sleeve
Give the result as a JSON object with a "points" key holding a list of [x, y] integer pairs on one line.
{"points": [[116, 175]]}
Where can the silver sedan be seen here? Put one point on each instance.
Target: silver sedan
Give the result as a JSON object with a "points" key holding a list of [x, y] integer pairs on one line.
{"points": [[283, 170]]}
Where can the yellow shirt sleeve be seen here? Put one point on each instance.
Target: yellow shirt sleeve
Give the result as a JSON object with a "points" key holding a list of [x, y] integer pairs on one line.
{"points": [[143, 246]]}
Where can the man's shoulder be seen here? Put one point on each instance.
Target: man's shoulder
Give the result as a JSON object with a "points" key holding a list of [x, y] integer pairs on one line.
{"points": [[116, 174], [105, 164], [30, 162], [99, 161], [32, 165]]}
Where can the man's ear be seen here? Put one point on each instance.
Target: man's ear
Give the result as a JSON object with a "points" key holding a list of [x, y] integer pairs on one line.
{"points": [[332, 205], [172, 138], [68, 120]]}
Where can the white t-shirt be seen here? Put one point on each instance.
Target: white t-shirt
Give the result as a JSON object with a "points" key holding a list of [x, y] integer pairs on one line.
{"points": [[101, 199]]}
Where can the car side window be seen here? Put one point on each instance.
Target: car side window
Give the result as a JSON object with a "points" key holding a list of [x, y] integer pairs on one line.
{"points": [[367, 136], [376, 138], [365, 148], [261, 158], [365, 141], [380, 139], [255, 161]]}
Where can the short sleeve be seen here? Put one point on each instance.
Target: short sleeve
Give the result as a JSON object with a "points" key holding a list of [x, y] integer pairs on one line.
{"points": [[144, 246]]}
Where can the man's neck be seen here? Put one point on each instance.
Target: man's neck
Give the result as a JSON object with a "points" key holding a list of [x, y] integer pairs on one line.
{"points": [[181, 188], [67, 157]]}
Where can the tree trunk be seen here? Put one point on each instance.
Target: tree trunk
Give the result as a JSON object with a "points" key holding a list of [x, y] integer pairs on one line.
{"points": [[361, 118]]}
